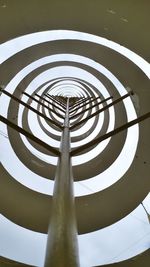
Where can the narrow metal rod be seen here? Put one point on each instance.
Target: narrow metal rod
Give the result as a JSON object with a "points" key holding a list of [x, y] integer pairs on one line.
{"points": [[29, 135], [80, 99], [84, 104], [44, 99], [73, 100], [97, 104], [76, 105], [62, 246], [148, 215], [101, 110], [107, 135], [31, 108], [42, 104], [56, 101]]}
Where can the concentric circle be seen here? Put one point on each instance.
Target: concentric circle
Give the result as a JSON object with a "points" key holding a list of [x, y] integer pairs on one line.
{"points": [[67, 75], [59, 64]]}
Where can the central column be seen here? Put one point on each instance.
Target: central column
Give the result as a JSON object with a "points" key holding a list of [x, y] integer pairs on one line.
{"points": [[62, 245]]}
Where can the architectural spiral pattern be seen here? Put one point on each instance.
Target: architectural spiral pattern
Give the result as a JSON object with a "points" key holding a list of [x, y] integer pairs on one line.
{"points": [[59, 64]]}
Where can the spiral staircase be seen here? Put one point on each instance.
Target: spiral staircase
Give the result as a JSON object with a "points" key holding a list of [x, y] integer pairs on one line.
{"points": [[74, 99]]}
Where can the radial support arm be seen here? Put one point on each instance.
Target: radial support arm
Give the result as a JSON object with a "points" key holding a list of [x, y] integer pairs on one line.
{"points": [[56, 101], [107, 135], [93, 106], [56, 106], [80, 103], [101, 110], [31, 108], [42, 104], [29, 135]]}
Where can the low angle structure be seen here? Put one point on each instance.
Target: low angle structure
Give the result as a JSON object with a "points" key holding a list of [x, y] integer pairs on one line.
{"points": [[74, 133]]}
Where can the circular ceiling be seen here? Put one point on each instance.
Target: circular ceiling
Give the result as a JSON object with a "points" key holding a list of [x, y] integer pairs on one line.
{"points": [[64, 63]]}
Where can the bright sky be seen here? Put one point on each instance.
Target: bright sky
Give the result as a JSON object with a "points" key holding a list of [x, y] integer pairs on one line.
{"points": [[126, 238]]}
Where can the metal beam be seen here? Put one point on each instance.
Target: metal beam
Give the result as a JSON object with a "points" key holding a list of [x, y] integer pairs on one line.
{"points": [[79, 103], [80, 99], [101, 110], [56, 101], [62, 246], [148, 215], [29, 135], [97, 104], [31, 108], [107, 135], [84, 104], [42, 104], [50, 103]]}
